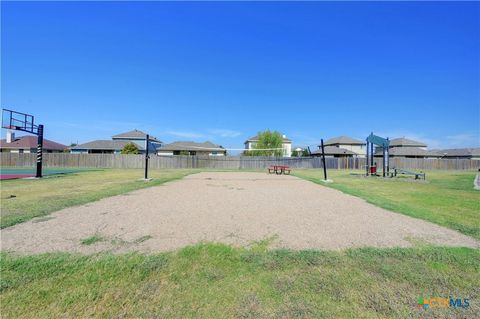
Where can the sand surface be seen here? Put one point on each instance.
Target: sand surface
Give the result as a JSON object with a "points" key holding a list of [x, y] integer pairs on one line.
{"points": [[234, 208]]}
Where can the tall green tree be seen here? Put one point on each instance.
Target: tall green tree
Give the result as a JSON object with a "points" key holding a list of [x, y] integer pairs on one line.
{"points": [[130, 148], [271, 140]]}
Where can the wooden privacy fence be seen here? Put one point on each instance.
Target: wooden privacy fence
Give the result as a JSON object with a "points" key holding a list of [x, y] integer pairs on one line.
{"points": [[224, 162]]}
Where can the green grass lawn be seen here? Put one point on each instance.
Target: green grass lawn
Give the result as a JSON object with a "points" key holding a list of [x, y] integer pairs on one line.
{"points": [[447, 198], [218, 281], [24, 199]]}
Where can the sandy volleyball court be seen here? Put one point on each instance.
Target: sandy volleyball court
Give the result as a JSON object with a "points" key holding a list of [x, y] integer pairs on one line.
{"points": [[235, 208]]}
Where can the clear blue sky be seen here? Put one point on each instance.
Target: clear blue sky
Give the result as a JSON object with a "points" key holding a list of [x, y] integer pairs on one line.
{"points": [[224, 71]]}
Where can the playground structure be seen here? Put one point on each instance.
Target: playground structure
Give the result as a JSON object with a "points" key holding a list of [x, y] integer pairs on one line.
{"points": [[384, 143], [13, 120], [371, 167]]}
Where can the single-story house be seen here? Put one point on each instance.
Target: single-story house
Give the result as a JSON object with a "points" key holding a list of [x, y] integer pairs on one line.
{"points": [[28, 144], [102, 147], [192, 148], [347, 143], [286, 145], [408, 152], [334, 151], [117, 143], [404, 147], [456, 153]]}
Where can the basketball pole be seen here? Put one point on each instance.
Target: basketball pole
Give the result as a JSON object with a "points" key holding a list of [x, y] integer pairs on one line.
{"points": [[323, 161], [39, 151], [147, 138]]}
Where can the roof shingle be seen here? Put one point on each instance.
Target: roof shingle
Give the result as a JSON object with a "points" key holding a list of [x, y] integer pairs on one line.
{"points": [[29, 142], [333, 150], [405, 142], [135, 134], [113, 145], [403, 151], [457, 152], [345, 140]]}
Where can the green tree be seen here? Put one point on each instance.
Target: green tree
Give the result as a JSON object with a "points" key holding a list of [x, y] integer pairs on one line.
{"points": [[271, 140], [130, 148]]}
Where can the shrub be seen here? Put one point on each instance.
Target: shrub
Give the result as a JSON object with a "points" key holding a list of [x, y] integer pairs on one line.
{"points": [[130, 148]]}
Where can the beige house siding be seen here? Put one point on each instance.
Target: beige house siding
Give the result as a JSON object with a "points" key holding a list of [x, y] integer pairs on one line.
{"points": [[358, 149]]}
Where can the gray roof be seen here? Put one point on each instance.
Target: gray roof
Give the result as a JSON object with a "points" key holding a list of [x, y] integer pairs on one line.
{"points": [[345, 140], [405, 142], [333, 150], [135, 134], [255, 139], [104, 145], [30, 142], [403, 151], [434, 153], [457, 152], [192, 146]]}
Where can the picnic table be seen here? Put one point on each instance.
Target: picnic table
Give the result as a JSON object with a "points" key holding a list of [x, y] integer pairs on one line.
{"points": [[279, 169]]}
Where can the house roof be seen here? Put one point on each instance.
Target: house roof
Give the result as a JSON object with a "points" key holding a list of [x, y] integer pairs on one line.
{"points": [[457, 152], [333, 150], [403, 151], [114, 145], [29, 142], [405, 142], [346, 140], [255, 139], [434, 153], [135, 134], [192, 146]]}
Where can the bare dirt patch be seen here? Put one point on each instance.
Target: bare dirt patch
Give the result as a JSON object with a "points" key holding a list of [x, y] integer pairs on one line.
{"points": [[235, 208]]}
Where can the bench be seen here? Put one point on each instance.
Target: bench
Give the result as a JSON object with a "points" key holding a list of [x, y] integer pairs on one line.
{"points": [[406, 172]]}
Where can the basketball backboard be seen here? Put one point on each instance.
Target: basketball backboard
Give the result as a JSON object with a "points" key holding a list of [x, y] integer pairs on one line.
{"points": [[14, 120]]}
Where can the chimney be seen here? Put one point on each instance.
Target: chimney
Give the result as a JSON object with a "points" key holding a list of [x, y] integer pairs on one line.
{"points": [[10, 136], [284, 136]]}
